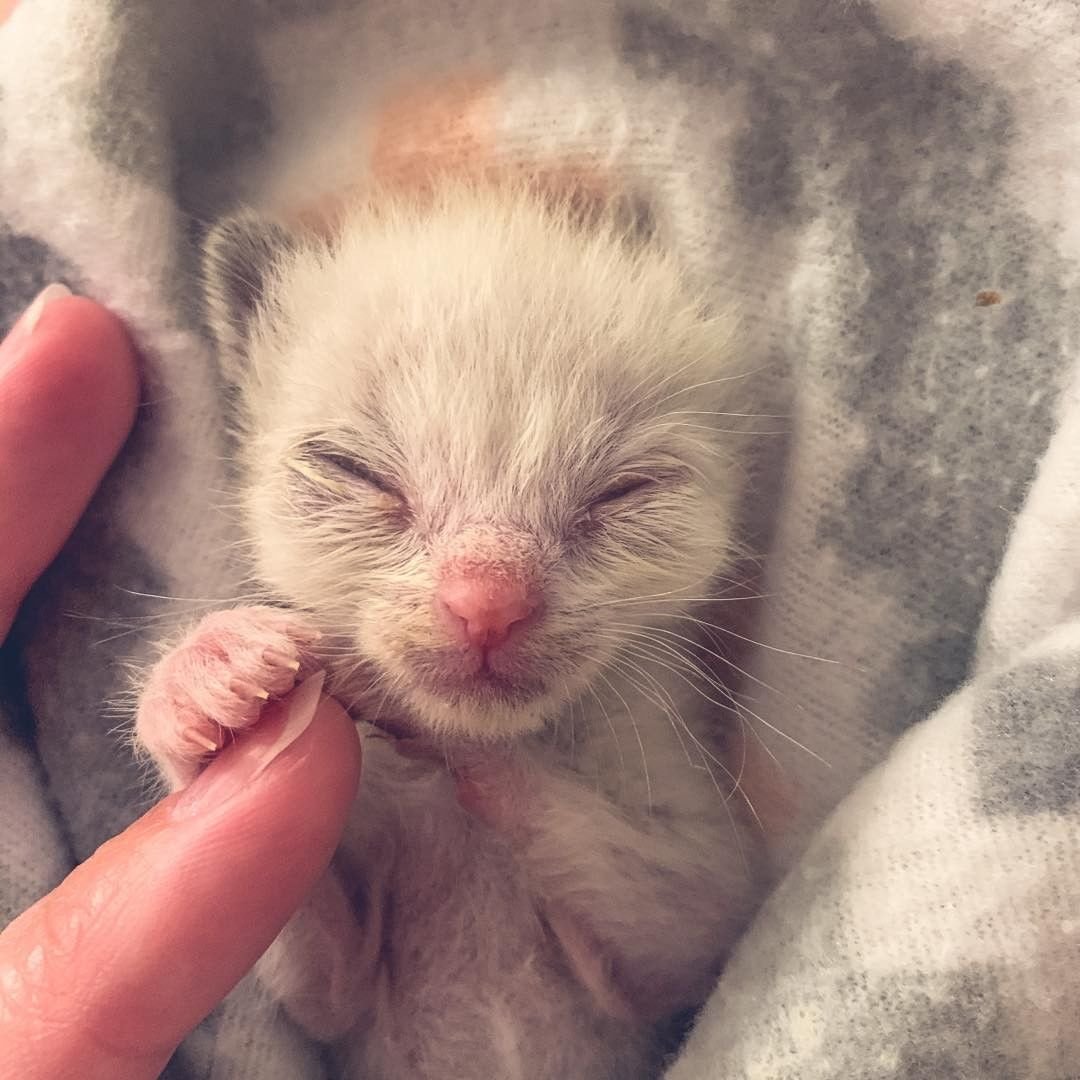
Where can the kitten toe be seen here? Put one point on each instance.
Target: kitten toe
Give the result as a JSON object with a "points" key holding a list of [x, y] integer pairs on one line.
{"points": [[216, 681]]}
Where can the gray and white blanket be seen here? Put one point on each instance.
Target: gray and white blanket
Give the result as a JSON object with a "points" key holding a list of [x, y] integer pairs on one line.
{"points": [[891, 193]]}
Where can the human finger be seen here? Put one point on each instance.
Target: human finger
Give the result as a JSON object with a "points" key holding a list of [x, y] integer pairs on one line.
{"points": [[102, 978], [68, 393]]}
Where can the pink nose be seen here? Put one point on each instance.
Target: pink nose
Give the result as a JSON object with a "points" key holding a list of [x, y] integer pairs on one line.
{"points": [[483, 609]]}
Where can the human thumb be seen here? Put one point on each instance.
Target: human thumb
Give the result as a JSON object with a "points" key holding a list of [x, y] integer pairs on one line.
{"points": [[105, 975]]}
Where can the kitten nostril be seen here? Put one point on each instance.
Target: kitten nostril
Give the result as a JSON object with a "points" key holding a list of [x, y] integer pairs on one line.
{"points": [[483, 610]]}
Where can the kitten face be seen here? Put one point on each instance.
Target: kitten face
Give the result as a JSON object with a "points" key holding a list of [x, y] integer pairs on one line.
{"points": [[468, 445]]}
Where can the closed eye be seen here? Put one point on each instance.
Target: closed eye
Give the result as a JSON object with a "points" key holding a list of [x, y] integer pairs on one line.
{"points": [[359, 471], [633, 489], [630, 485], [333, 459]]}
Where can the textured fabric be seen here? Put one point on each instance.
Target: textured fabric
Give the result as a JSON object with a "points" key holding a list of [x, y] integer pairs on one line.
{"points": [[889, 193]]}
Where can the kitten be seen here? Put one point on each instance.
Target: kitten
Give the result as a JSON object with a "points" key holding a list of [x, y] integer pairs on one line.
{"points": [[485, 478]]}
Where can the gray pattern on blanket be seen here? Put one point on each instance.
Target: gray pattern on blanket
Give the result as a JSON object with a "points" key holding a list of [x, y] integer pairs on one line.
{"points": [[101, 618], [954, 1025], [959, 397], [917, 938], [161, 50], [761, 163], [855, 175], [26, 266], [956, 398], [922, 1026], [1027, 740]]}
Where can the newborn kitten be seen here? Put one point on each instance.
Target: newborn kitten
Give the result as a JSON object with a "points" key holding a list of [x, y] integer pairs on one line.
{"points": [[483, 474]]}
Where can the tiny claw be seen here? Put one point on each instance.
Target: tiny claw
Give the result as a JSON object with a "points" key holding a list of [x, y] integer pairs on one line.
{"points": [[249, 691], [204, 741], [280, 659]]}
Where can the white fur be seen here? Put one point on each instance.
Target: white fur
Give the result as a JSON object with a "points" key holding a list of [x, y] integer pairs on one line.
{"points": [[504, 365], [503, 361]]}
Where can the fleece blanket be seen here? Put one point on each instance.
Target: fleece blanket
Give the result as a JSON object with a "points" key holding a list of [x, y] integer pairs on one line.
{"points": [[890, 193]]}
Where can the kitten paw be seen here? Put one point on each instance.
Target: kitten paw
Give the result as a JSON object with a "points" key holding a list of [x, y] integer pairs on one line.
{"points": [[216, 681]]}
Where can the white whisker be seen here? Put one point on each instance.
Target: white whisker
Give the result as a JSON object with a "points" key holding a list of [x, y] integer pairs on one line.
{"points": [[731, 704], [637, 734]]}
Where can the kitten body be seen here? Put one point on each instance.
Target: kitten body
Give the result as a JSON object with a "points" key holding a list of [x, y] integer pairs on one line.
{"points": [[485, 476]]}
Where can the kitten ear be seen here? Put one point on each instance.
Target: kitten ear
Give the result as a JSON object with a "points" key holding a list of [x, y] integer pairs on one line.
{"points": [[240, 257]]}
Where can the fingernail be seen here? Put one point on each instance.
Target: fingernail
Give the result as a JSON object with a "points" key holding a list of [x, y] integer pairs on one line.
{"points": [[254, 752], [55, 291], [25, 324], [303, 702]]}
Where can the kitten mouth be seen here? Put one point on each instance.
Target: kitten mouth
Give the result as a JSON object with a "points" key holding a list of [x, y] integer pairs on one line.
{"points": [[462, 677], [485, 687]]}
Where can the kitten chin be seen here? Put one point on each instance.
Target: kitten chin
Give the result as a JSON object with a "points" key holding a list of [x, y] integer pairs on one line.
{"points": [[469, 706]]}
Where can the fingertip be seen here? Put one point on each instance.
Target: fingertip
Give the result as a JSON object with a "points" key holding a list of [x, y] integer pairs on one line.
{"points": [[167, 917], [68, 393], [312, 781], [340, 742], [254, 856], [89, 351]]}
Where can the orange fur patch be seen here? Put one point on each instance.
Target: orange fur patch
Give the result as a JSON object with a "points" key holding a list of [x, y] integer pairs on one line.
{"points": [[432, 130], [447, 129]]}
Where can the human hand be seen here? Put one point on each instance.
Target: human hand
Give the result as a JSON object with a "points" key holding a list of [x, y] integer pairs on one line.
{"points": [[104, 976]]}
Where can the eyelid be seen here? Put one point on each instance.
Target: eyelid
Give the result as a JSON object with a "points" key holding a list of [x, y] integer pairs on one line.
{"points": [[343, 461], [631, 483], [622, 488]]}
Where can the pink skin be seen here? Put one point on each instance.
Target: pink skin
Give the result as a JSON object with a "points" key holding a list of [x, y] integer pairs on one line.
{"points": [[482, 609], [219, 678], [217, 681], [496, 788]]}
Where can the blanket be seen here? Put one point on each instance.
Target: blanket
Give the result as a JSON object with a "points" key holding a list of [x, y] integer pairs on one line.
{"points": [[889, 191]]}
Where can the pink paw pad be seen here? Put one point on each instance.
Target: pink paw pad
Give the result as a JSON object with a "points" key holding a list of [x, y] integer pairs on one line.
{"points": [[217, 680]]}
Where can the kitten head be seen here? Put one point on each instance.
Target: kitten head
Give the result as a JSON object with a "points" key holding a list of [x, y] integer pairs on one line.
{"points": [[473, 433]]}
